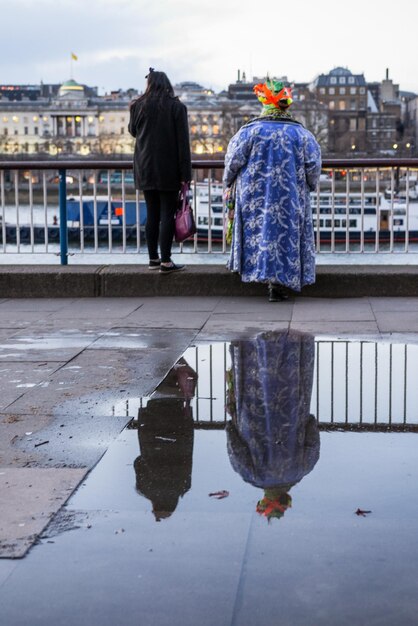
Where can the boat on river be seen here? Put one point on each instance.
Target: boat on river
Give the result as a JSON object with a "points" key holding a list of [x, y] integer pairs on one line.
{"points": [[339, 216]]}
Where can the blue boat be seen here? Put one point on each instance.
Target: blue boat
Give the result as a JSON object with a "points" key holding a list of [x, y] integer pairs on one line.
{"points": [[115, 207]]}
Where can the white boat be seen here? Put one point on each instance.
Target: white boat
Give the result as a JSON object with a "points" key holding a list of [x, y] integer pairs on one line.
{"points": [[342, 217], [338, 216]]}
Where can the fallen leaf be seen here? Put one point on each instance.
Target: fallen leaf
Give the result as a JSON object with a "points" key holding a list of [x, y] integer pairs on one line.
{"points": [[219, 494]]}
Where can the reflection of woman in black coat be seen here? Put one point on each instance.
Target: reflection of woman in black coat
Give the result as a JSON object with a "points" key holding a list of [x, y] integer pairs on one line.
{"points": [[165, 433], [273, 441], [162, 162]]}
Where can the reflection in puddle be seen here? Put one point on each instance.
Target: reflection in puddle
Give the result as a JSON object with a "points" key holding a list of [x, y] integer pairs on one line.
{"points": [[246, 418], [273, 441], [357, 385], [165, 432]]}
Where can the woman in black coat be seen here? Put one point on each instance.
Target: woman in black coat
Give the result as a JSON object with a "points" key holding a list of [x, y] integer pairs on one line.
{"points": [[162, 162]]}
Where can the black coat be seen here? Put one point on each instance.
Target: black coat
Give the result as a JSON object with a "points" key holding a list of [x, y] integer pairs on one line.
{"points": [[162, 151]]}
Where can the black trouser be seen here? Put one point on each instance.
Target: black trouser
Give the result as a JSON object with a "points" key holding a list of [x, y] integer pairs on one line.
{"points": [[161, 207]]}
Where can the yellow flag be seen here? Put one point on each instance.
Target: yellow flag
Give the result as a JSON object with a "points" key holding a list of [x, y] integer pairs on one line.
{"points": [[74, 56]]}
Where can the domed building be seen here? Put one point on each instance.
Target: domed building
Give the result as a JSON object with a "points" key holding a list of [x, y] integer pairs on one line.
{"points": [[71, 118], [71, 89]]}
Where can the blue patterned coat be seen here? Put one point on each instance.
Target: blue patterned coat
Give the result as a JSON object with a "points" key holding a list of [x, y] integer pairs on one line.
{"points": [[275, 164]]}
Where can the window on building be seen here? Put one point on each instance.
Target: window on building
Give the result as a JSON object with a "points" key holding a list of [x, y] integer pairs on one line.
{"points": [[362, 90], [122, 130], [351, 80], [35, 130], [322, 90], [362, 123], [15, 132], [331, 104], [342, 80], [5, 131], [353, 123], [353, 90], [342, 106], [342, 91], [26, 130], [331, 91], [333, 80]]}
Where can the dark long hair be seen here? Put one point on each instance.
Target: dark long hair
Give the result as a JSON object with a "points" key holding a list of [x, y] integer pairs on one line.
{"points": [[158, 88]]}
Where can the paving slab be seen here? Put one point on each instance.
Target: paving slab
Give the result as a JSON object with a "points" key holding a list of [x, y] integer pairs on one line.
{"points": [[328, 309], [16, 379], [33, 495], [70, 441], [226, 330], [397, 321], [33, 304], [74, 326], [394, 304], [6, 333], [336, 327], [100, 308], [27, 348], [184, 303], [250, 304], [93, 382], [135, 338], [273, 311], [19, 437], [23, 319], [166, 319]]}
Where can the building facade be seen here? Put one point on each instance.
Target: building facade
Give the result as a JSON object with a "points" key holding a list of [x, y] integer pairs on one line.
{"points": [[346, 114], [71, 119]]}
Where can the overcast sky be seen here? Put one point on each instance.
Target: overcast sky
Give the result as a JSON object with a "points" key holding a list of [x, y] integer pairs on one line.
{"points": [[205, 41]]}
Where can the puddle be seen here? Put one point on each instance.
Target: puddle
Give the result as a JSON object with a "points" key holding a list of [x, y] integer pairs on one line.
{"points": [[312, 446]]}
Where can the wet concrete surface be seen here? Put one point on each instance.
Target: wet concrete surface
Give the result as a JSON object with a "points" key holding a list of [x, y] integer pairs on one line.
{"points": [[141, 540]]}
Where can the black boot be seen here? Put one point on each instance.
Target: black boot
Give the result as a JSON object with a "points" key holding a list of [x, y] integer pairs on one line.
{"points": [[277, 293]]}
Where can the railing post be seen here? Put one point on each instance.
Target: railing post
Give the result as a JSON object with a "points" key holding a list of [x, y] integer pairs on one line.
{"points": [[63, 216]]}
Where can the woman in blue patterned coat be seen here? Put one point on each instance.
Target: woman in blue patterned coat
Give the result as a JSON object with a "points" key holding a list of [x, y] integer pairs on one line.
{"points": [[275, 163]]}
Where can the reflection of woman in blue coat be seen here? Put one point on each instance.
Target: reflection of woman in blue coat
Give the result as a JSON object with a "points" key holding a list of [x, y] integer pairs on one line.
{"points": [[273, 441], [275, 163]]}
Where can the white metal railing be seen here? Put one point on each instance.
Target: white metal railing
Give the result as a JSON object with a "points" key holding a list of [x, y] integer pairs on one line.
{"points": [[69, 208]]}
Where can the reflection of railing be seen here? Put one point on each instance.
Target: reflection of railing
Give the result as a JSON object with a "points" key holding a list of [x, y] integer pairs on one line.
{"points": [[361, 205], [358, 385]]}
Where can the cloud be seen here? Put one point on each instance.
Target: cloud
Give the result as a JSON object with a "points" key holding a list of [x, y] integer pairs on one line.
{"points": [[117, 40]]}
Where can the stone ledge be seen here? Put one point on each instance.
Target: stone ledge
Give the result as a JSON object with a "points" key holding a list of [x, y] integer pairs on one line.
{"points": [[339, 281]]}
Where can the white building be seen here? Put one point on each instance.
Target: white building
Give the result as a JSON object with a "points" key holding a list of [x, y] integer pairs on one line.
{"points": [[72, 119]]}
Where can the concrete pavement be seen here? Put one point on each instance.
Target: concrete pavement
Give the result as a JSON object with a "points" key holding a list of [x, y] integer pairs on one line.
{"points": [[69, 365]]}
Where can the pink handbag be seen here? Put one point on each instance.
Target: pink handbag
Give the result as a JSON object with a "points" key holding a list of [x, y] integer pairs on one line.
{"points": [[184, 226]]}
